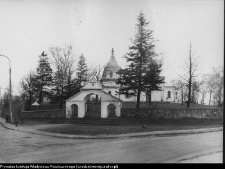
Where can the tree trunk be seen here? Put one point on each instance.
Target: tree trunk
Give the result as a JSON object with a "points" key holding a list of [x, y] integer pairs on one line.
{"points": [[40, 96], [149, 98], [189, 95], [220, 95], [69, 89], [182, 97], [210, 97], [30, 100], [190, 78], [203, 98], [61, 99], [139, 78], [138, 97]]}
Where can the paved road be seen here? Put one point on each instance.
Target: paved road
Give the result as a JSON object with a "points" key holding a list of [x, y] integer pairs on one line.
{"points": [[24, 147]]}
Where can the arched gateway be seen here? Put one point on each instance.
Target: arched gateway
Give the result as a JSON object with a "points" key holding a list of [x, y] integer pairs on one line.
{"points": [[108, 104]]}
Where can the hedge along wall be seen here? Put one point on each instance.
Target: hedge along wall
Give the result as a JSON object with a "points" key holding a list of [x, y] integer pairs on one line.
{"points": [[174, 113], [60, 113]]}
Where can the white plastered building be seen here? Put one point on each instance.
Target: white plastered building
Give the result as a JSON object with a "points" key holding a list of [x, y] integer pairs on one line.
{"points": [[167, 94]]}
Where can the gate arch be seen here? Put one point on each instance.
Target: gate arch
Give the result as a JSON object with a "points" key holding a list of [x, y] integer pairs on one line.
{"points": [[92, 105]]}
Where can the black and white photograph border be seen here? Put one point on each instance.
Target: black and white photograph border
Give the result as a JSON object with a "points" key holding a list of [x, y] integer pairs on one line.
{"points": [[111, 82]]}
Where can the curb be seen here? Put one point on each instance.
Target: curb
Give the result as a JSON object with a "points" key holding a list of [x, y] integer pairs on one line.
{"points": [[142, 134]]}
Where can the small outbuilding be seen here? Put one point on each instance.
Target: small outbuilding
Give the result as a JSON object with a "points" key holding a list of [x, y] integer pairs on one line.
{"points": [[35, 106], [94, 101]]}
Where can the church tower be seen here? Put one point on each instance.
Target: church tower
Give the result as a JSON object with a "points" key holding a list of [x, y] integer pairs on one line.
{"points": [[110, 80], [112, 67]]}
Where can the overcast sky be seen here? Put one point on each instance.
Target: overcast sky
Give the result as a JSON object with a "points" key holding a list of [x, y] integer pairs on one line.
{"points": [[29, 27]]}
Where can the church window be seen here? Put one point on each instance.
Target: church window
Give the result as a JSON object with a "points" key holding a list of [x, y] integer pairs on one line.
{"points": [[169, 94], [109, 92], [92, 84]]}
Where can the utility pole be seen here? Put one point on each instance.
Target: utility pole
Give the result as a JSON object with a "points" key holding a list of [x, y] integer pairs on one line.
{"points": [[190, 79], [10, 90], [0, 100]]}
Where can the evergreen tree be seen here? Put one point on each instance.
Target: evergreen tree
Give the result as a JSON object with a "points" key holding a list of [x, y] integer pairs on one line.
{"points": [[82, 72], [43, 77], [71, 87], [6, 99], [133, 79], [59, 88], [153, 78]]}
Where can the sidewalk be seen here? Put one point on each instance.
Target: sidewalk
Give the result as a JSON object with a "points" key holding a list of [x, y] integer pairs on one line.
{"points": [[206, 156], [33, 129], [210, 158]]}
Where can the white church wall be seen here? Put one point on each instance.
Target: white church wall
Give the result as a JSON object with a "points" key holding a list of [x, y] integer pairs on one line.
{"points": [[143, 97], [156, 96], [172, 95], [127, 99]]}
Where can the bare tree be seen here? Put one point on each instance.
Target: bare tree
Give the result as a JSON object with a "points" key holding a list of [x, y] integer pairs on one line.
{"points": [[180, 88], [191, 67], [214, 82], [100, 72], [203, 88], [63, 60], [218, 75], [195, 91], [26, 88]]}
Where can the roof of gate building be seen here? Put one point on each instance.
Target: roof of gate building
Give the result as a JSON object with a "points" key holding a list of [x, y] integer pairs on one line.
{"points": [[84, 93]]}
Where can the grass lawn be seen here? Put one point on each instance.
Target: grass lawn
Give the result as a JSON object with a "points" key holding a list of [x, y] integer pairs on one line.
{"points": [[134, 125]]}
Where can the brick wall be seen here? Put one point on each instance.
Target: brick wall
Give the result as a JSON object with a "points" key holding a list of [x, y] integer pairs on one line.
{"points": [[174, 113]]}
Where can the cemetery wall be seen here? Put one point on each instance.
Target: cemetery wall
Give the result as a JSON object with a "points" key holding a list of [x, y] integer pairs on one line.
{"points": [[174, 113]]}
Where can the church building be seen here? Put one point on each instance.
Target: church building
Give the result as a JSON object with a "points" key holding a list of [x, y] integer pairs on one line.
{"points": [[167, 94]]}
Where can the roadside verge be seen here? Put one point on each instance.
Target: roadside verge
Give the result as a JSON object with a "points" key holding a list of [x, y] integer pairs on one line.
{"points": [[34, 130]]}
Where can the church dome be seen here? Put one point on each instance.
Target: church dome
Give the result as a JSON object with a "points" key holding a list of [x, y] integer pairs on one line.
{"points": [[112, 63]]}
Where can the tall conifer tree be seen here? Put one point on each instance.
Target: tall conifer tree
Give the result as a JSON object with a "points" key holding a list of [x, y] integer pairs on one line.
{"points": [[133, 79], [153, 78], [43, 77], [82, 72]]}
